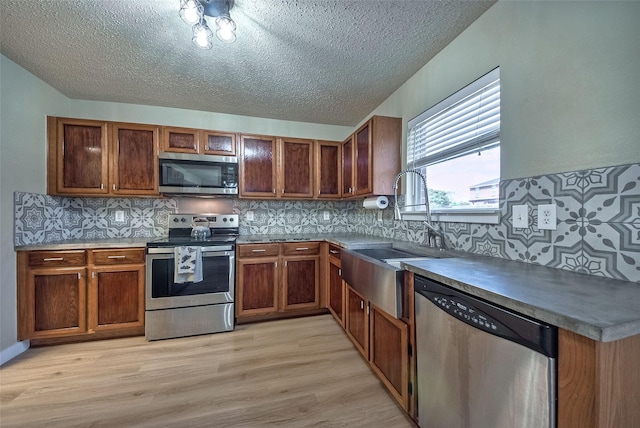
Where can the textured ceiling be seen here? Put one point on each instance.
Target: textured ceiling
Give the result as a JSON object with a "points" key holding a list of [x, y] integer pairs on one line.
{"points": [[321, 61]]}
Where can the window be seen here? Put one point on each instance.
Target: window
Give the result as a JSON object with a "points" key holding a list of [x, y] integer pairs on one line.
{"points": [[456, 146]]}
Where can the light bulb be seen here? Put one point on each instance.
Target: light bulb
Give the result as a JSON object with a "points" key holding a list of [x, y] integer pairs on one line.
{"points": [[202, 35], [191, 11], [226, 31]]}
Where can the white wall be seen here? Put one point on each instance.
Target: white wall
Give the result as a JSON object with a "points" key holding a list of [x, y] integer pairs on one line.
{"points": [[570, 88], [25, 101]]}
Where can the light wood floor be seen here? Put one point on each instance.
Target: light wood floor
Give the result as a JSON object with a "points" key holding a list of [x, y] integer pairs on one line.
{"points": [[290, 373]]}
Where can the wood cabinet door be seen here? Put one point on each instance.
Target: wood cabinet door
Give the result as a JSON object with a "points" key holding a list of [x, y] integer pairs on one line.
{"points": [[180, 140], [256, 291], [336, 292], [389, 353], [296, 168], [134, 155], [363, 168], [347, 168], [116, 297], [57, 302], [258, 166], [357, 318], [81, 148], [218, 143], [301, 285], [329, 170]]}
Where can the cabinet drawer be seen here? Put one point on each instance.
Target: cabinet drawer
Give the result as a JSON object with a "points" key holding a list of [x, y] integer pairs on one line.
{"points": [[118, 256], [57, 258], [257, 250], [300, 248], [334, 251]]}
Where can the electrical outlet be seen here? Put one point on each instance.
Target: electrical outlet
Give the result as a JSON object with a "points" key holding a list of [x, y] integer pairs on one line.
{"points": [[325, 215], [547, 216], [520, 214], [120, 216], [380, 216], [249, 216]]}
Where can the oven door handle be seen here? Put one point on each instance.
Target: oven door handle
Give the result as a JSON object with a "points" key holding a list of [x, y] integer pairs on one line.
{"points": [[216, 250]]}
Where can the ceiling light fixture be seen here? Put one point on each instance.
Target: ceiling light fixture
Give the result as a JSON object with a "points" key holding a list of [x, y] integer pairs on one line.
{"points": [[194, 13]]}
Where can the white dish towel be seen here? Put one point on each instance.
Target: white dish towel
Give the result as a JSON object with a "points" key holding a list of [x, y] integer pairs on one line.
{"points": [[188, 265]]}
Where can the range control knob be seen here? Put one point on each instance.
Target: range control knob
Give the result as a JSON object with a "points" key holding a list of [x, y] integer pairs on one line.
{"points": [[183, 220], [175, 220], [224, 219]]}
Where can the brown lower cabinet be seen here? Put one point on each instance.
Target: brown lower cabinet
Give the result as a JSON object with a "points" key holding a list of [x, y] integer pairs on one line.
{"points": [[276, 280], [80, 294], [336, 286], [383, 341]]}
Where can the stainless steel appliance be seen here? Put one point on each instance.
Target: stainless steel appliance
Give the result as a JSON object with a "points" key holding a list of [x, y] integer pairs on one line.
{"points": [[175, 309], [480, 365], [188, 174]]}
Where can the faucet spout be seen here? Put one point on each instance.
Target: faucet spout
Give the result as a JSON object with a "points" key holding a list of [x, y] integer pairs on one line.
{"points": [[432, 231]]}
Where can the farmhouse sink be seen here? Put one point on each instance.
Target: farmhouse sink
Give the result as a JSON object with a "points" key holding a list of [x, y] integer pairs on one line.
{"points": [[376, 275]]}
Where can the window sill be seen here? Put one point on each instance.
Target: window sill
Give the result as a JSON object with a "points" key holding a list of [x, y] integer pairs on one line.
{"points": [[486, 216]]}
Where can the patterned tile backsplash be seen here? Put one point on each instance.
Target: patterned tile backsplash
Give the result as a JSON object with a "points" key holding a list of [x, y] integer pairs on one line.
{"points": [[43, 218], [598, 221]]}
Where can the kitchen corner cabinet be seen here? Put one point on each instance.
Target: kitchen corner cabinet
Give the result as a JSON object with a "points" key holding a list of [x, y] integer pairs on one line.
{"points": [[80, 294], [98, 158], [198, 141], [371, 157], [276, 280], [276, 167], [328, 170], [336, 286]]}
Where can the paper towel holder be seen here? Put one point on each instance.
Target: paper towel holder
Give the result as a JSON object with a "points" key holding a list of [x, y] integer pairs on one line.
{"points": [[375, 202]]}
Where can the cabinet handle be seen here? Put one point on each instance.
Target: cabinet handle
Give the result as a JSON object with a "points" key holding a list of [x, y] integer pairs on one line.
{"points": [[79, 275], [302, 248], [258, 251], [101, 186], [362, 304], [283, 191], [53, 259], [274, 190], [339, 272], [114, 187], [333, 251], [116, 257], [93, 274]]}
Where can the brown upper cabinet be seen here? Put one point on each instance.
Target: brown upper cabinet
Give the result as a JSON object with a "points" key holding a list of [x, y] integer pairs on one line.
{"points": [[98, 158], [258, 165], [296, 166], [328, 170], [371, 157], [276, 167], [187, 140]]}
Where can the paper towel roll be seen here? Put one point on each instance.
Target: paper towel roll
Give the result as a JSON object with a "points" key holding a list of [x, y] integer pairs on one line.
{"points": [[378, 202]]}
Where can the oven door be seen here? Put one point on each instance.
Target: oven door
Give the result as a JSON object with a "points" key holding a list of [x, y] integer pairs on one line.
{"points": [[217, 286]]}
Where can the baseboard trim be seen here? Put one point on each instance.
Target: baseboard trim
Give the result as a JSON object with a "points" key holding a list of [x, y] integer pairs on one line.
{"points": [[13, 351]]}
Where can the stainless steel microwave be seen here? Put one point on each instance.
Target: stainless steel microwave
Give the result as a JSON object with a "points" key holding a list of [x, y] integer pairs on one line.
{"points": [[198, 175]]}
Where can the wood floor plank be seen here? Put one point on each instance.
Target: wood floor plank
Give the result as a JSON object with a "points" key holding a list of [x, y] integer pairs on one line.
{"points": [[288, 373]]}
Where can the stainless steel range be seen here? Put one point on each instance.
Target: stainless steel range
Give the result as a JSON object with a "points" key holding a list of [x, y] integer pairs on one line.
{"points": [[196, 297]]}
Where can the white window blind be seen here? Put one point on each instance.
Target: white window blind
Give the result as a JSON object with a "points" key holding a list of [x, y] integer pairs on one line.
{"points": [[467, 121]]}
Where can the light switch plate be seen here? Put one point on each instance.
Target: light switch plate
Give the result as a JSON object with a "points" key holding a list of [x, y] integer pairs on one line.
{"points": [[547, 217], [249, 215], [520, 216], [325, 215], [120, 216]]}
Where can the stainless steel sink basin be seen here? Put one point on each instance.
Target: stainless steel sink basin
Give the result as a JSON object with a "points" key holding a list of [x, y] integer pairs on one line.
{"points": [[375, 274]]}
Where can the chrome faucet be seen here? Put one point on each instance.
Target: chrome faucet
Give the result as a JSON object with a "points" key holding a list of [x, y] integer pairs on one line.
{"points": [[433, 233]]}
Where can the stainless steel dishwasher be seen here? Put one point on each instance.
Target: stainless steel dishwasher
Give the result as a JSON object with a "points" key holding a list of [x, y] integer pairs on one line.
{"points": [[480, 365]]}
